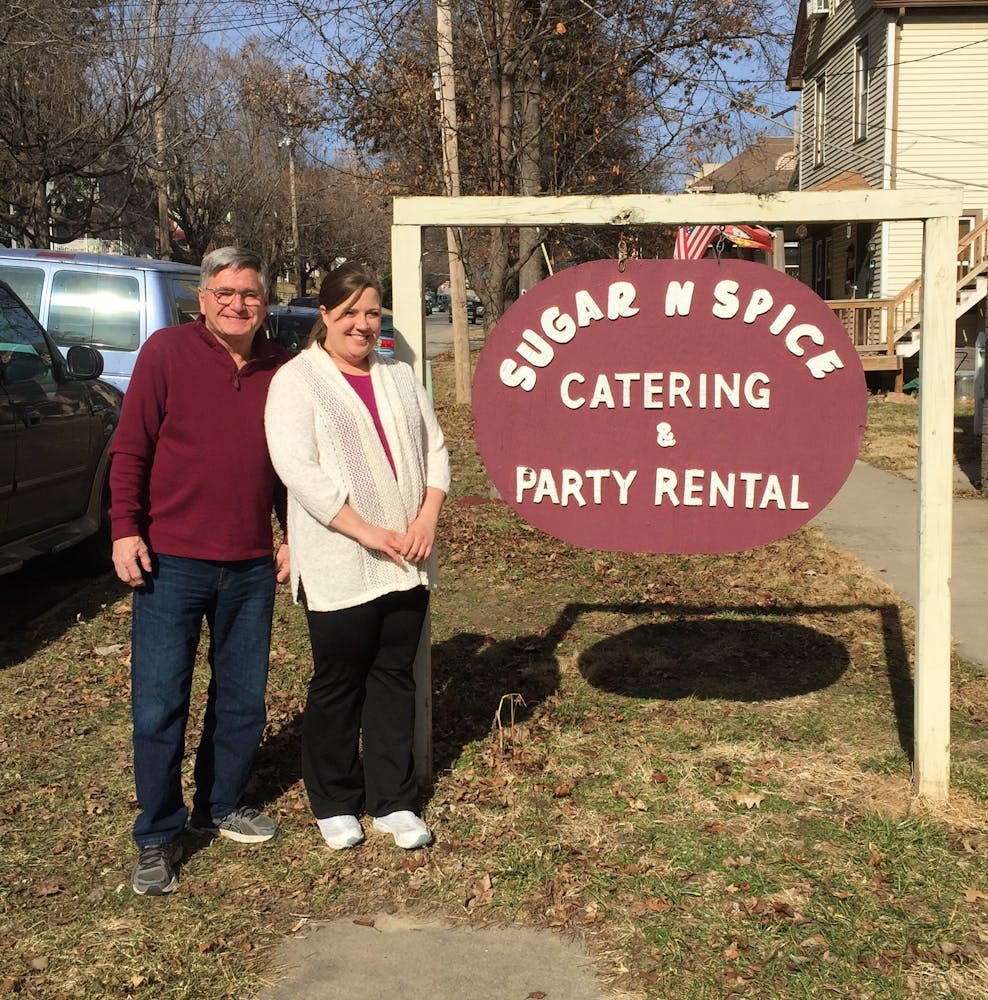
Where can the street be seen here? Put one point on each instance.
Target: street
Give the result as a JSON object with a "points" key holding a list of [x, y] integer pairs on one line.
{"points": [[439, 335]]}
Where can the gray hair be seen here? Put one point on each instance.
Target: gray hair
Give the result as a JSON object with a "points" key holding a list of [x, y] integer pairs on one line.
{"points": [[233, 257]]}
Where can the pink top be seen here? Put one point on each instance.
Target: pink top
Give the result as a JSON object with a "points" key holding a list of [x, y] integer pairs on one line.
{"points": [[362, 387]]}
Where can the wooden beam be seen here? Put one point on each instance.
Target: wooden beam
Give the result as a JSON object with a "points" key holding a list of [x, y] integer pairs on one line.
{"points": [[656, 209]]}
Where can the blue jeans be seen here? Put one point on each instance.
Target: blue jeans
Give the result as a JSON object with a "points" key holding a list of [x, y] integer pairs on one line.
{"points": [[236, 599]]}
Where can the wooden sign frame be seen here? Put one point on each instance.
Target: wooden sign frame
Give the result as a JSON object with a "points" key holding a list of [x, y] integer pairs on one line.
{"points": [[937, 209]]}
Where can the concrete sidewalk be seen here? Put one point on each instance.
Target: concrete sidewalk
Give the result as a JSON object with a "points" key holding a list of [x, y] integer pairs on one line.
{"points": [[398, 958], [875, 517]]}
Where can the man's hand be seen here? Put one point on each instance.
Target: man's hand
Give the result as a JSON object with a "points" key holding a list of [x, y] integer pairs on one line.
{"points": [[130, 557], [282, 565]]}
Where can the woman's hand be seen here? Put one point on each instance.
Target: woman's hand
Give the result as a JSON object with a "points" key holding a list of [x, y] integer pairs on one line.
{"points": [[383, 540], [371, 536], [419, 539], [421, 534]]}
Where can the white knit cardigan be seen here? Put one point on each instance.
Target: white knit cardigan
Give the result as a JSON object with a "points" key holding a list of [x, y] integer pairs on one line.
{"points": [[326, 450]]}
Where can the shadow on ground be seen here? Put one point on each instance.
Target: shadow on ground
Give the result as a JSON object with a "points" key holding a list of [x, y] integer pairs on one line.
{"points": [[44, 599], [757, 654]]}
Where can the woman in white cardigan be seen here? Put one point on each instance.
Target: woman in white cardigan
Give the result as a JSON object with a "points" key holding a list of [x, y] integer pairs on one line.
{"points": [[354, 439]]}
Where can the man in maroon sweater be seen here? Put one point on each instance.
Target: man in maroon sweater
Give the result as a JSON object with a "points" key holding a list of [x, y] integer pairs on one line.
{"points": [[192, 494]]}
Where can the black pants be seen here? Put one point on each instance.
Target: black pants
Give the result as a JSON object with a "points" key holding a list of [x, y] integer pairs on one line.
{"points": [[362, 682]]}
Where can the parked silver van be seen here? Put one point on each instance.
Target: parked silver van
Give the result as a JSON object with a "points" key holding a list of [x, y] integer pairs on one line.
{"points": [[111, 303]]}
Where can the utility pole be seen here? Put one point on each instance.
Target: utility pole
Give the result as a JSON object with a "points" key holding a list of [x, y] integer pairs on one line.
{"points": [[289, 141], [446, 95], [159, 175]]}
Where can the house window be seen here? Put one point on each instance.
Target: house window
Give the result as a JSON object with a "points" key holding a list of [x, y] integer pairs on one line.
{"points": [[862, 83], [965, 258], [819, 109]]}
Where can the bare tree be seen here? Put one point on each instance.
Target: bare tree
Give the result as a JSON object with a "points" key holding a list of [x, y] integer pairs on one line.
{"points": [[79, 86], [554, 96]]}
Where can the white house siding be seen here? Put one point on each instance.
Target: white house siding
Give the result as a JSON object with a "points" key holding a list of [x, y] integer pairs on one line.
{"points": [[831, 54], [943, 117]]}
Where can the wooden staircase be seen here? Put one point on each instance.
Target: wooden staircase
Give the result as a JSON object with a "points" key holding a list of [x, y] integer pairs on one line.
{"points": [[887, 330]]}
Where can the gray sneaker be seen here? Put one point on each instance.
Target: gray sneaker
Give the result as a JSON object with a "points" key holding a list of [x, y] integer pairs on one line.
{"points": [[244, 825], [154, 873]]}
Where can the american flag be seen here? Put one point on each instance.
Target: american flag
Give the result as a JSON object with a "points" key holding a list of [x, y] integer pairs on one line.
{"points": [[692, 241]]}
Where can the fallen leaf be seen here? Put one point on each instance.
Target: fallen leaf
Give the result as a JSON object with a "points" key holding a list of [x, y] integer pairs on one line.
{"points": [[974, 895], [563, 789], [364, 921], [48, 889], [482, 891], [748, 799], [11, 984]]}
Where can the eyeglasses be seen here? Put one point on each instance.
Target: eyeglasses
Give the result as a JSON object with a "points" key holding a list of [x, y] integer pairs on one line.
{"points": [[225, 296]]}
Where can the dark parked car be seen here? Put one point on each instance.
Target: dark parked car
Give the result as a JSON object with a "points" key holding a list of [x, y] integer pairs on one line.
{"points": [[475, 311], [290, 326], [305, 301], [56, 422]]}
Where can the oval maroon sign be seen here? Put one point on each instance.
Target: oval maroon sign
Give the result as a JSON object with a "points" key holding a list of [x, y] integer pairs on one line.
{"points": [[672, 406]]}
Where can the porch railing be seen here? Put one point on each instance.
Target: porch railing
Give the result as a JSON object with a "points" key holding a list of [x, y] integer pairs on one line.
{"points": [[876, 325]]}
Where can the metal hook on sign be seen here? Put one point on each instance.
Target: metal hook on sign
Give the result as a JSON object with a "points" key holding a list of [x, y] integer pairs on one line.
{"points": [[719, 243], [622, 252]]}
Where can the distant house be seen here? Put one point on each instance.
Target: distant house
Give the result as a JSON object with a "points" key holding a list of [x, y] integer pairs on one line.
{"points": [[891, 98], [764, 167]]}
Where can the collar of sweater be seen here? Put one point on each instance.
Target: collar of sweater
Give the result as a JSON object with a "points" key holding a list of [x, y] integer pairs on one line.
{"points": [[265, 354]]}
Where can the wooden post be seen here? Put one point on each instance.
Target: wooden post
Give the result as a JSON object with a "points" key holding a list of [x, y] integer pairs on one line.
{"points": [[409, 319], [931, 774], [407, 296]]}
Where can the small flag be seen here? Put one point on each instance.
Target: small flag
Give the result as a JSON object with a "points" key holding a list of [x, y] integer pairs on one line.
{"points": [[756, 237], [692, 241]]}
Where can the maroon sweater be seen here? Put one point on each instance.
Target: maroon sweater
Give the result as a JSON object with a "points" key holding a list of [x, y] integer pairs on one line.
{"points": [[191, 472]]}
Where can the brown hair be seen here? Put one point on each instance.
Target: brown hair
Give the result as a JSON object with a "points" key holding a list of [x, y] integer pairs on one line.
{"points": [[345, 283]]}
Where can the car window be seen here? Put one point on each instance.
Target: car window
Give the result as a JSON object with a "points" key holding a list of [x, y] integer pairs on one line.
{"points": [[90, 307], [186, 293], [27, 283], [24, 353]]}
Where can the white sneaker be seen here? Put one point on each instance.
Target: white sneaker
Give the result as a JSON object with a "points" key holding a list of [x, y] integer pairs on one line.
{"points": [[341, 831], [406, 828]]}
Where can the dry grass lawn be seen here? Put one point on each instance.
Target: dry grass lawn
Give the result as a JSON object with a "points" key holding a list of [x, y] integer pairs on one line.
{"points": [[700, 766]]}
